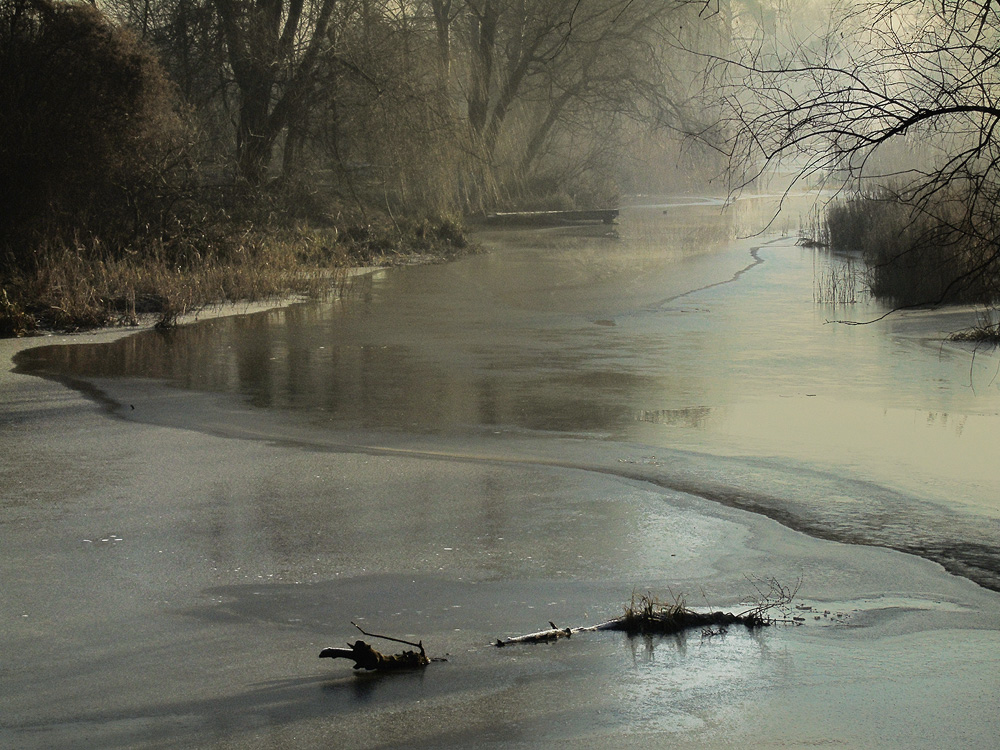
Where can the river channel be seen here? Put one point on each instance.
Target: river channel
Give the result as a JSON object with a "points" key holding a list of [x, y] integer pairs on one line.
{"points": [[696, 361], [469, 450]]}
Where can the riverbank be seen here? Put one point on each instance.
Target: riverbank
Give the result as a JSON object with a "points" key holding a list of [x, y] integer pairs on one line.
{"points": [[81, 287], [172, 570]]}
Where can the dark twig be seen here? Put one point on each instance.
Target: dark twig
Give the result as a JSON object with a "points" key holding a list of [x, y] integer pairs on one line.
{"points": [[419, 644]]}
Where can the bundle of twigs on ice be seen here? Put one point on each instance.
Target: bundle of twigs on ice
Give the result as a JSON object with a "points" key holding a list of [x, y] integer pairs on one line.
{"points": [[647, 615]]}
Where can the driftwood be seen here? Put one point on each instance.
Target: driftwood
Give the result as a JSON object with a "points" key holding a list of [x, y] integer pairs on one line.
{"points": [[645, 615], [542, 636], [367, 657], [638, 625], [547, 636]]}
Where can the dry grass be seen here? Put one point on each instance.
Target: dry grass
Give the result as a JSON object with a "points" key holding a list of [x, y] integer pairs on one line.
{"points": [[986, 330], [839, 282], [647, 615], [978, 335], [79, 286]]}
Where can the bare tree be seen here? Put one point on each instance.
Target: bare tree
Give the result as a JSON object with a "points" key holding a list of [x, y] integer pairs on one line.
{"points": [[444, 12], [899, 94], [256, 57], [538, 69], [495, 93], [273, 48]]}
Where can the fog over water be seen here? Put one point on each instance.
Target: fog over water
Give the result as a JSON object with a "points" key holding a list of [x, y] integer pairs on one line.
{"points": [[696, 361]]}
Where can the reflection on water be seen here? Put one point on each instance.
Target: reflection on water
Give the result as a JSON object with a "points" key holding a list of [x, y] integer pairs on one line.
{"points": [[691, 417], [664, 331], [672, 677]]}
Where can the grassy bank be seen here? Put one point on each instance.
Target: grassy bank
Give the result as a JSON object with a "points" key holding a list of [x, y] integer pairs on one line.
{"points": [[71, 286]]}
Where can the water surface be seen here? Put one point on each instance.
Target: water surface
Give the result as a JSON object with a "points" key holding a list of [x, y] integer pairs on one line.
{"points": [[461, 452], [665, 348]]}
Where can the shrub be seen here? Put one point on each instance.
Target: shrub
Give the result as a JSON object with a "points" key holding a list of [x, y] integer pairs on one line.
{"points": [[90, 138]]}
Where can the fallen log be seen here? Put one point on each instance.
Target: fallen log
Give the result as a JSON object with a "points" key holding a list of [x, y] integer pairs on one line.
{"points": [[542, 636], [553, 218], [645, 615], [367, 657]]}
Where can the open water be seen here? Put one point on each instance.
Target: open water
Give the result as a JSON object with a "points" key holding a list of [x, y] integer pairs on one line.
{"points": [[698, 361]]}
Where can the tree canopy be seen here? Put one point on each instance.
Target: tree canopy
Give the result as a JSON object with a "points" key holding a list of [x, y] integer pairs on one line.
{"points": [[462, 102], [478, 104]]}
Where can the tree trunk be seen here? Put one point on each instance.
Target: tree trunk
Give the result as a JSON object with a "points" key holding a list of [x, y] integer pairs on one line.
{"points": [[259, 44], [484, 39], [254, 137], [537, 140], [442, 28]]}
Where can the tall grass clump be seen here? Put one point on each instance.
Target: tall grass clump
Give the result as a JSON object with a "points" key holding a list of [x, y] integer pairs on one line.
{"points": [[839, 281], [985, 331], [85, 286], [932, 254]]}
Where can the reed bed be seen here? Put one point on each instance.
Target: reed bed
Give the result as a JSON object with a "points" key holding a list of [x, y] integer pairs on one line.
{"points": [[839, 281], [937, 255], [71, 286]]}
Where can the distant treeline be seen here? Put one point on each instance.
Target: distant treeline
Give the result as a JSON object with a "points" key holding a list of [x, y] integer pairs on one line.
{"points": [[243, 140], [430, 105], [178, 132]]}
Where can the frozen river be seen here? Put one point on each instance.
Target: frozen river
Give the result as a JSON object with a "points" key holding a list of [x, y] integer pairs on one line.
{"points": [[464, 451]]}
